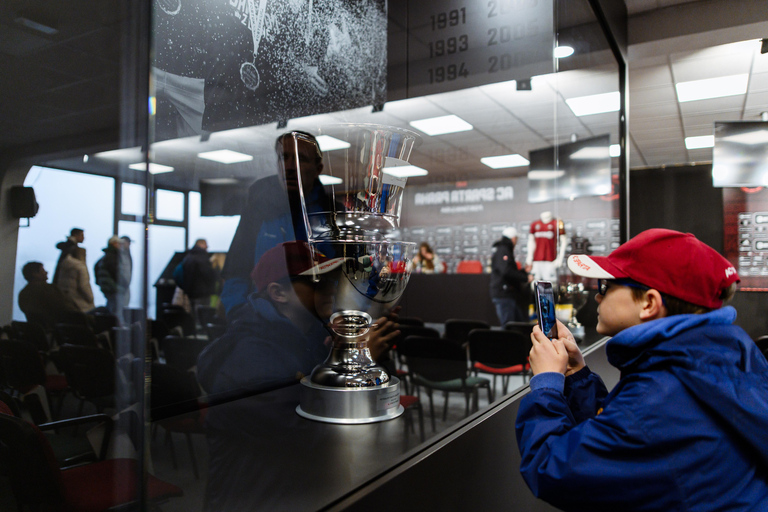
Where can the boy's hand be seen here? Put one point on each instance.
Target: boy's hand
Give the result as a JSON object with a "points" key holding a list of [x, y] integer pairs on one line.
{"points": [[547, 355], [575, 359]]}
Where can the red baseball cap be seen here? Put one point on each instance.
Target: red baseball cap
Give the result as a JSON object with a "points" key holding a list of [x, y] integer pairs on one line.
{"points": [[290, 259], [674, 263]]}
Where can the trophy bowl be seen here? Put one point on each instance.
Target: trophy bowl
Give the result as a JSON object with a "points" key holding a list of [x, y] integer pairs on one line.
{"points": [[576, 295]]}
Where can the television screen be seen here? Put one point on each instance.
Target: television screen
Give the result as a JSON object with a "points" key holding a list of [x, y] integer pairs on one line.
{"points": [[568, 171], [740, 155]]}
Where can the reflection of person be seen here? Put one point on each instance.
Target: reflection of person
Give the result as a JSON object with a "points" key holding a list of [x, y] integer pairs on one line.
{"points": [[509, 292], [426, 261], [76, 237], [199, 281], [273, 214], [546, 247], [74, 280], [684, 428], [42, 302], [113, 275], [278, 337]]}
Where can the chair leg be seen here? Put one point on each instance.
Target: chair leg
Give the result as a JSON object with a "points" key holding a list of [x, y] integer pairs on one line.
{"points": [[421, 422], [445, 406], [431, 409], [466, 404], [169, 442], [192, 455], [490, 395]]}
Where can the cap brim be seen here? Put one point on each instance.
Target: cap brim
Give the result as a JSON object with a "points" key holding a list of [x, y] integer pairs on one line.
{"points": [[586, 266], [323, 267]]}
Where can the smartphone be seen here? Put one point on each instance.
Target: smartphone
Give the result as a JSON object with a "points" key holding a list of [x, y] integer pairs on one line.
{"points": [[545, 308]]}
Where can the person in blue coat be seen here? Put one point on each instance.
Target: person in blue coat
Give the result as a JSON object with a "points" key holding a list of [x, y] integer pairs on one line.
{"points": [[685, 427]]}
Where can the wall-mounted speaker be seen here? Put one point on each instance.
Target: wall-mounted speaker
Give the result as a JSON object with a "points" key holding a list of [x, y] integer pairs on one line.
{"points": [[23, 202]]}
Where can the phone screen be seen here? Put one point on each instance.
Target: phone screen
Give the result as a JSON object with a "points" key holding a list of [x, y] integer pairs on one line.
{"points": [[545, 301]]}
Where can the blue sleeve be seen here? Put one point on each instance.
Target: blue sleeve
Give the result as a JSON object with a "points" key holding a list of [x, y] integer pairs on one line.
{"points": [[584, 392], [601, 462]]}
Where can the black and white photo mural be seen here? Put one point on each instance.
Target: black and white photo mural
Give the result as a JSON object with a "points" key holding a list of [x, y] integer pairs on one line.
{"points": [[222, 64]]}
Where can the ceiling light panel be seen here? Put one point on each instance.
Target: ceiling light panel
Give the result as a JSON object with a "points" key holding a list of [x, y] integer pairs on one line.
{"points": [[504, 161], [595, 104], [325, 179], [704, 141], [225, 156], [328, 143], [441, 125], [153, 167], [712, 88], [406, 171]]}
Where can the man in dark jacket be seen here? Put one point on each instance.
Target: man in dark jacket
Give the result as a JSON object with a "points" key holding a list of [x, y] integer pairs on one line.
{"points": [[684, 429], [42, 302], [199, 276], [509, 291]]}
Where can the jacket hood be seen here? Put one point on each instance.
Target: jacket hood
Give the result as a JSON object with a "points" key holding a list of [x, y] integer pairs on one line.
{"points": [[504, 241], [717, 363]]}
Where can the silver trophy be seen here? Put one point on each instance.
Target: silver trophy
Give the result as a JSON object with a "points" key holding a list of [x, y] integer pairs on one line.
{"points": [[350, 387], [576, 295]]}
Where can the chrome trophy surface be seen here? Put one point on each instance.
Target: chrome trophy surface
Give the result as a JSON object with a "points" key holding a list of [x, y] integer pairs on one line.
{"points": [[349, 386]]}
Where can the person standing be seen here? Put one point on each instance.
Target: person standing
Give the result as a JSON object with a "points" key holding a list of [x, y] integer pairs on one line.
{"points": [[199, 277], [74, 280], [112, 277], [76, 237], [509, 292]]}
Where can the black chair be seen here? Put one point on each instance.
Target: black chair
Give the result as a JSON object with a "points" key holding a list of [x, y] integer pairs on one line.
{"points": [[457, 329], [175, 406], [103, 321], [181, 352], [405, 331], [71, 334], [37, 482], [520, 327], [22, 368], [215, 330], [410, 320], [762, 344], [499, 352], [441, 365], [176, 316], [90, 373], [32, 333]]}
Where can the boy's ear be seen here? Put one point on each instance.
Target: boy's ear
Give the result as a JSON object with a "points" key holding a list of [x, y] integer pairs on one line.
{"points": [[653, 306], [277, 293]]}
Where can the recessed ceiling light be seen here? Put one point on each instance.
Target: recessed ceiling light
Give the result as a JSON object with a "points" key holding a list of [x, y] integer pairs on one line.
{"points": [[614, 150], [441, 125], [406, 171], [752, 138], [326, 179], [545, 175], [220, 181], [595, 104], [562, 52], [225, 156], [328, 143], [153, 167], [705, 141], [591, 153], [712, 88], [504, 161]]}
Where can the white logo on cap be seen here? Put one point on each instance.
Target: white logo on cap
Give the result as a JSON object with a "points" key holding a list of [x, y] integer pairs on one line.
{"points": [[729, 272]]}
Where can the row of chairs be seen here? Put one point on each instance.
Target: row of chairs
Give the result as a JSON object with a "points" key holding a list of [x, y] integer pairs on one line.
{"points": [[453, 362]]}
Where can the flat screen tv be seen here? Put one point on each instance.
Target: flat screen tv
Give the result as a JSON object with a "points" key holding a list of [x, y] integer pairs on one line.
{"points": [[740, 155], [568, 171]]}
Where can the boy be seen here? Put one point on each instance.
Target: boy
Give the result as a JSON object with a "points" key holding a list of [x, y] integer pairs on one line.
{"points": [[685, 427]]}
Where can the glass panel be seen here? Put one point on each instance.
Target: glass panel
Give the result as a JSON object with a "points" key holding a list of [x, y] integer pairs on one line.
{"points": [[164, 241], [135, 232], [169, 205], [134, 199], [217, 230]]}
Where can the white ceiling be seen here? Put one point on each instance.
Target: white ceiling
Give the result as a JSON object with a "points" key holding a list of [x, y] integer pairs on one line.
{"points": [[670, 41]]}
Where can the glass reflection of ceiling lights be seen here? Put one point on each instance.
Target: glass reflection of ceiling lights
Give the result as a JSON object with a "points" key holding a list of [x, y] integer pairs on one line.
{"points": [[504, 161], [594, 104], [225, 156], [702, 142], [562, 52], [405, 171], [712, 88], [153, 167], [441, 125], [328, 143], [330, 180]]}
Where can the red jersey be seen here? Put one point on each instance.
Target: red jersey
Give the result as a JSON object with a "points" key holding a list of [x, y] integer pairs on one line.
{"points": [[546, 235]]}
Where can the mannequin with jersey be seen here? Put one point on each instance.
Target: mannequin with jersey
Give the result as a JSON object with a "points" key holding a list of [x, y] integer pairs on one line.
{"points": [[546, 247]]}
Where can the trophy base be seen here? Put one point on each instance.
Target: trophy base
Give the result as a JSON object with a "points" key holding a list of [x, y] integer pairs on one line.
{"points": [[577, 331], [350, 406]]}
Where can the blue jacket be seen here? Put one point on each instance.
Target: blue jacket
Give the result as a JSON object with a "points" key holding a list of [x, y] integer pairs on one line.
{"points": [[260, 351], [686, 427]]}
